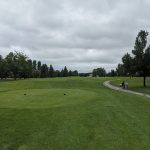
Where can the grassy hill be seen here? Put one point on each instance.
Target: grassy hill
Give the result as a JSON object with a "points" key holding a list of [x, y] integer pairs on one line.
{"points": [[71, 114]]}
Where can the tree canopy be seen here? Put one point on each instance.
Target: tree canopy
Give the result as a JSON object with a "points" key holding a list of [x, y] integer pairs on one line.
{"points": [[99, 72]]}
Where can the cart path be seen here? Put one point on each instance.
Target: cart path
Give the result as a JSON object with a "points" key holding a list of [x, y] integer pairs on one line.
{"points": [[107, 84]]}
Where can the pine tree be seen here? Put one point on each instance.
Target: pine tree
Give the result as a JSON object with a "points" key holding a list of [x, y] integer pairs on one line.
{"points": [[39, 65], [65, 73], [51, 71]]}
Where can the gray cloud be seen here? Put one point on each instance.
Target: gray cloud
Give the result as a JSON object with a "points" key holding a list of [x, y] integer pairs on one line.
{"points": [[81, 34]]}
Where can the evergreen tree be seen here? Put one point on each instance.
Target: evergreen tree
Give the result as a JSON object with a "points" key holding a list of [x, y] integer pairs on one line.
{"points": [[62, 73], [51, 71], [34, 65], [57, 73], [44, 71], [70, 73], [65, 73], [29, 68], [39, 65]]}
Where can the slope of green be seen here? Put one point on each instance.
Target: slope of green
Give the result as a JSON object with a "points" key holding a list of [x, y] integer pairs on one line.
{"points": [[71, 114]]}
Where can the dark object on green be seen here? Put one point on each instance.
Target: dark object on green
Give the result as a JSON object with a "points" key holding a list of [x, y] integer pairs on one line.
{"points": [[123, 84]]}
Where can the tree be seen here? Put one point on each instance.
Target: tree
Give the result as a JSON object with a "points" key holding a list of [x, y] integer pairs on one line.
{"points": [[147, 59], [57, 73], [3, 68], [51, 71], [12, 63], [62, 73], [37, 73], [65, 72], [75, 73], [23, 65], [84, 74], [39, 65], [70, 73], [44, 71], [94, 72], [34, 65], [112, 73], [29, 68], [99, 72], [141, 55], [17, 65], [1, 58], [120, 70], [127, 64]]}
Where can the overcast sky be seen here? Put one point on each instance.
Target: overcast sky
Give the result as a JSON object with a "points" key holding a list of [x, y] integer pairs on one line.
{"points": [[81, 34]]}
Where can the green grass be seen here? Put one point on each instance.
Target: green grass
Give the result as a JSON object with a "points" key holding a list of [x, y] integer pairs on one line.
{"points": [[135, 83], [88, 117]]}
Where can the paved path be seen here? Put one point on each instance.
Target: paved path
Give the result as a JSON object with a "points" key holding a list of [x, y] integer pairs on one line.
{"points": [[107, 84]]}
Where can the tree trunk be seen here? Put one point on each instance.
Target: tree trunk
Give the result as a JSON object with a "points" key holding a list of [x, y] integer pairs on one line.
{"points": [[144, 81]]}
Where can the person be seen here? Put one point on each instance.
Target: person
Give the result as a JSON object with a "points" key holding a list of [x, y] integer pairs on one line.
{"points": [[123, 84], [126, 85]]}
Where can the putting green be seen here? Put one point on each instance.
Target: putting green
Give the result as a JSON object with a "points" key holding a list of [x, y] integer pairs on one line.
{"points": [[43, 98]]}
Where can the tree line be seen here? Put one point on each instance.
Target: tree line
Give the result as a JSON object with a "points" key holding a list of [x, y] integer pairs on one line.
{"points": [[135, 64], [18, 65], [138, 62], [101, 72]]}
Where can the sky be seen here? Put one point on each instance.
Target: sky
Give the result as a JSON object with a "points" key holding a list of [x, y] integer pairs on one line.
{"points": [[79, 34]]}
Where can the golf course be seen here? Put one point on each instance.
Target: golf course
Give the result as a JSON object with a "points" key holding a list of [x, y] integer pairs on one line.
{"points": [[73, 113]]}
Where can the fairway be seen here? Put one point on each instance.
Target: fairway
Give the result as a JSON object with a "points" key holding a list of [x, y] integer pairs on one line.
{"points": [[71, 113]]}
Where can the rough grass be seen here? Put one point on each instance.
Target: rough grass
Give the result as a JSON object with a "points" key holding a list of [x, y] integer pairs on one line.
{"points": [[88, 117], [135, 83]]}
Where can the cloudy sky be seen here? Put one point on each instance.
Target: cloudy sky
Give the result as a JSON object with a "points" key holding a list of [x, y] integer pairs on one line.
{"points": [[81, 34]]}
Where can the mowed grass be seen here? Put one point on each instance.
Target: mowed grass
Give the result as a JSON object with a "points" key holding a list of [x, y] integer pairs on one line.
{"points": [[71, 114], [135, 83]]}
